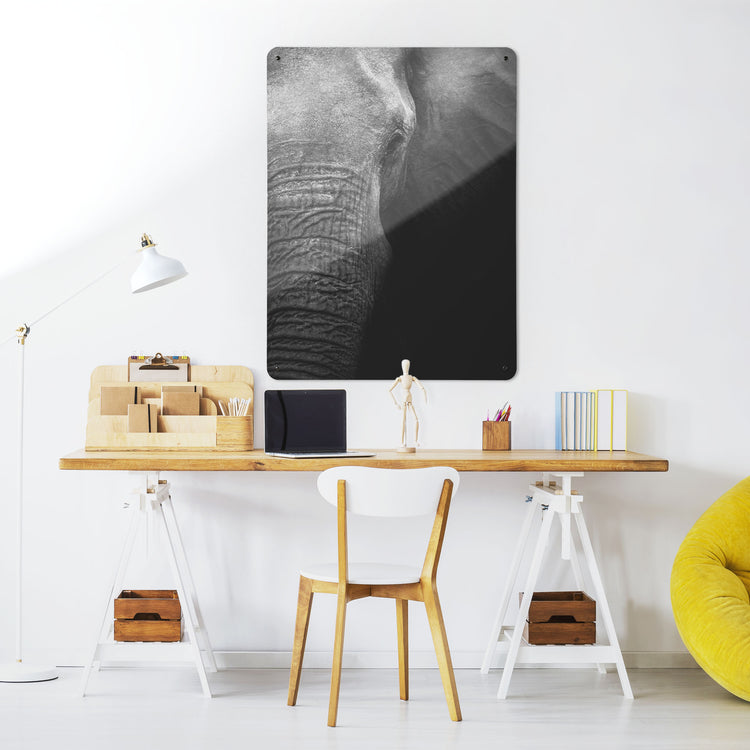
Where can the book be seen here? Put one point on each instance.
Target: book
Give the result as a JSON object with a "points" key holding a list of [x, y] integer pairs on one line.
{"points": [[619, 419], [591, 420], [586, 439], [603, 420], [570, 421]]}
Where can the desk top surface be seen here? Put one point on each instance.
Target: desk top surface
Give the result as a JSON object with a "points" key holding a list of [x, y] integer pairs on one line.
{"points": [[461, 459]]}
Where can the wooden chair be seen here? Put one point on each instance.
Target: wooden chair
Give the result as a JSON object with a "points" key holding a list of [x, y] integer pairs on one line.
{"points": [[388, 493]]}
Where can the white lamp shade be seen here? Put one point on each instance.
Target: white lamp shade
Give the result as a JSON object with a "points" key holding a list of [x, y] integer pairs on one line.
{"points": [[155, 270]]}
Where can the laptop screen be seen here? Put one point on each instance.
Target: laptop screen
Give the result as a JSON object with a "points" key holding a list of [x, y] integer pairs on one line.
{"points": [[305, 421]]}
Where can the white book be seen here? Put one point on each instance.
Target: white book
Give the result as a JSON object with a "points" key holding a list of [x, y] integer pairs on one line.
{"points": [[587, 421], [586, 410], [604, 420], [570, 422], [619, 420]]}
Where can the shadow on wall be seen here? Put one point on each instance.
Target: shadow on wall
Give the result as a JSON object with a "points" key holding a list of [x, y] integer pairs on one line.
{"points": [[647, 416]]}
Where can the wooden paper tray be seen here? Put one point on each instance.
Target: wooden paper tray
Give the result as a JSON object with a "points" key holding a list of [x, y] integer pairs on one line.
{"points": [[209, 431]]}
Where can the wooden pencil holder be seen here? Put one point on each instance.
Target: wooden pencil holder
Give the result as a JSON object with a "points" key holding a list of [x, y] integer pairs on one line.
{"points": [[495, 436]]}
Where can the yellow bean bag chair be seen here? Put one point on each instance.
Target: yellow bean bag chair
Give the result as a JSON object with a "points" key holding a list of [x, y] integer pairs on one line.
{"points": [[709, 586]]}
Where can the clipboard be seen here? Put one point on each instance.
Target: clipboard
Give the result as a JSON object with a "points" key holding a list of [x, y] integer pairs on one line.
{"points": [[159, 368]]}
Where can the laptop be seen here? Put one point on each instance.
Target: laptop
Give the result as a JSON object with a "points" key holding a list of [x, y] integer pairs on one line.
{"points": [[307, 424]]}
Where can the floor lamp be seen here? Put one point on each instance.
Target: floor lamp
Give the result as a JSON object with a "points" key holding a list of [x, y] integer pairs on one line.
{"points": [[155, 270]]}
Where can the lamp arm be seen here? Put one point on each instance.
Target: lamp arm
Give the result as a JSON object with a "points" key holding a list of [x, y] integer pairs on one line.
{"points": [[81, 290], [19, 333]]}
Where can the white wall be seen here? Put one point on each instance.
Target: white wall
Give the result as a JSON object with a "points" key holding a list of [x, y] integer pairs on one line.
{"points": [[633, 171]]}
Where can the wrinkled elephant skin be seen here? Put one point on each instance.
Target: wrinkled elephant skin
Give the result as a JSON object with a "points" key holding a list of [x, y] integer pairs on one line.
{"points": [[339, 122]]}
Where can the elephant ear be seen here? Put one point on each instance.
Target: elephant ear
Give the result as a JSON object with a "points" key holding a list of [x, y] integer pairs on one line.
{"points": [[452, 228], [466, 114]]}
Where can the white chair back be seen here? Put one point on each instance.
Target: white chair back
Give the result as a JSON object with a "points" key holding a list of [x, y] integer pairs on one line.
{"points": [[392, 493]]}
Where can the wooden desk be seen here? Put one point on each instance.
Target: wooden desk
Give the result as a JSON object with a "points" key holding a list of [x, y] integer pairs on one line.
{"points": [[548, 499], [461, 460]]}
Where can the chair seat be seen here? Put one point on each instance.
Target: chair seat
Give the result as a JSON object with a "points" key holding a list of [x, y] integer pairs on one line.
{"points": [[364, 573]]}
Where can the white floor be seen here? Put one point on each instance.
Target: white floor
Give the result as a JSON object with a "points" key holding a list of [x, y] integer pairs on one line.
{"points": [[547, 708]]}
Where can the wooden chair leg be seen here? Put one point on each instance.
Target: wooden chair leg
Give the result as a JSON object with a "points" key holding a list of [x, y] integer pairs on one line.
{"points": [[338, 654], [304, 603], [440, 640], [402, 627]]}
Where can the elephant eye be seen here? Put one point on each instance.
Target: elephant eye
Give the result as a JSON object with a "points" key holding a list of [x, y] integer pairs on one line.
{"points": [[394, 158]]}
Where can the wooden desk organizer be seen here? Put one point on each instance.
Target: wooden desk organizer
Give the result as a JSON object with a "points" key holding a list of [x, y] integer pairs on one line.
{"points": [[209, 431]]}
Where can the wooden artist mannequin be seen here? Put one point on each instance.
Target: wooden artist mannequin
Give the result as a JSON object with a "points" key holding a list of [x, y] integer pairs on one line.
{"points": [[406, 381]]}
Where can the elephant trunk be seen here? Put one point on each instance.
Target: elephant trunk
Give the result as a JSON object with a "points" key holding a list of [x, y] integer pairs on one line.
{"points": [[326, 256]]}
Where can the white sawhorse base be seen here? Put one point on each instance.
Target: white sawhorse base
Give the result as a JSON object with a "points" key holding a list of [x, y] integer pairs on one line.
{"points": [[155, 501], [550, 500]]}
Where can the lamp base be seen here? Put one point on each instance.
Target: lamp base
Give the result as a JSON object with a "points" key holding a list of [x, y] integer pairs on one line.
{"points": [[17, 671]]}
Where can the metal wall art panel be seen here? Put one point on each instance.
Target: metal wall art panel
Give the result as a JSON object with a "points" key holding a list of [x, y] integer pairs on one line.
{"points": [[391, 212]]}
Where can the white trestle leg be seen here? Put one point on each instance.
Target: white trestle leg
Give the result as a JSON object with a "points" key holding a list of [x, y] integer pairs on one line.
{"points": [[550, 500], [173, 530], [510, 584], [153, 507]]}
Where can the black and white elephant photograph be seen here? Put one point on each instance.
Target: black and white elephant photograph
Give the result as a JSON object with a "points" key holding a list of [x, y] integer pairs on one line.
{"points": [[391, 212]]}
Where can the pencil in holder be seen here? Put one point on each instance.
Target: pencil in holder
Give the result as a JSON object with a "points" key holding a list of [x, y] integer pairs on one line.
{"points": [[495, 436]]}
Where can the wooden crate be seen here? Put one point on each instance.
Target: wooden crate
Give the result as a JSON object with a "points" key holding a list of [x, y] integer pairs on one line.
{"points": [[560, 618], [152, 615]]}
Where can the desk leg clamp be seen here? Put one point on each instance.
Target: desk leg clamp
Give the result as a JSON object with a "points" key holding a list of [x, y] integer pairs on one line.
{"points": [[549, 500], [152, 505]]}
